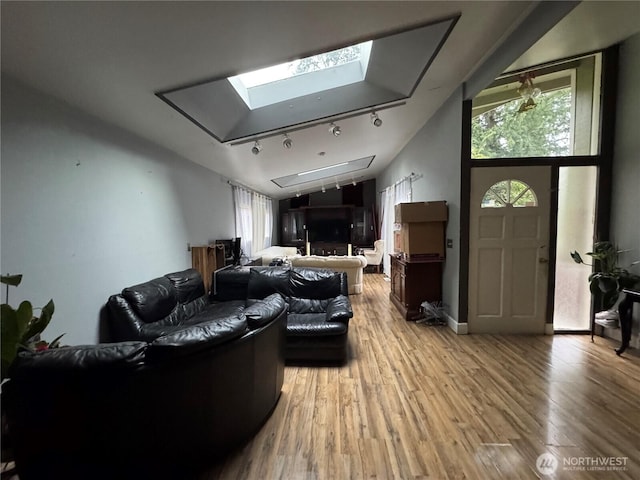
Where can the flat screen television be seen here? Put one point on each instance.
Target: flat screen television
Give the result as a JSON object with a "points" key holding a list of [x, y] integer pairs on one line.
{"points": [[323, 230]]}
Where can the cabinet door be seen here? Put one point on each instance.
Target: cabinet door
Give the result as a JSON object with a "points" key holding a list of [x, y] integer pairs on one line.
{"points": [[362, 232]]}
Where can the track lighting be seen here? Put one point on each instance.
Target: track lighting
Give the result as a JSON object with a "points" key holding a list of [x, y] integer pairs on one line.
{"points": [[375, 119], [335, 129], [297, 194], [323, 189], [354, 183], [286, 142], [337, 186], [256, 148]]}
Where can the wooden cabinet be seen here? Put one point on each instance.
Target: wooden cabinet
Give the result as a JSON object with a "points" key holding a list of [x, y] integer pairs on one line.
{"points": [[207, 260], [413, 282]]}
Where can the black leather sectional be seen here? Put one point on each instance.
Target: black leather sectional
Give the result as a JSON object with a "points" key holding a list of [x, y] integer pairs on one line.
{"points": [[190, 388], [318, 306], [187, 380]]}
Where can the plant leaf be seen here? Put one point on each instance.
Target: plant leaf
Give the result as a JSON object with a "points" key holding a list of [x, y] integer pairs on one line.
{"points": [[13, 280], [55, 343], [576, 257], [10, 334], [38, 325]]}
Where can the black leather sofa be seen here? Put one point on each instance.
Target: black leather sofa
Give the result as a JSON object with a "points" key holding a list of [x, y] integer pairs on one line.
{"points": [[154, 408], [319, 308]]}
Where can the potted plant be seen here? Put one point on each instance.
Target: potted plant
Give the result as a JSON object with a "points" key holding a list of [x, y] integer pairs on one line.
{"points": [[20, 329], [608, 279]]}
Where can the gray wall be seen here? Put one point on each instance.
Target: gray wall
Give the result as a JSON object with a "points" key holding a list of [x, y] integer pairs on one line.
{"points": [[434, 153], [88, 209], [625, 230]]}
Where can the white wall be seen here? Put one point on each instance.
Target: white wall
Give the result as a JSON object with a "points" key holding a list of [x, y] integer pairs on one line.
{"points": [[434, 153], [88, 209], [625, 231]]}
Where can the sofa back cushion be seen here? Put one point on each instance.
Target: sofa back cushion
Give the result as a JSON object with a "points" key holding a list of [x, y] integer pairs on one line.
{"points": [[152, 300], [187, 284], [267, 281], [314, 283]]}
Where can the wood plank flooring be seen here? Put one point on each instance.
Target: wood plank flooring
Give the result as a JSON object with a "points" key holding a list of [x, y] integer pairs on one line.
{"points": [[422, 402]]}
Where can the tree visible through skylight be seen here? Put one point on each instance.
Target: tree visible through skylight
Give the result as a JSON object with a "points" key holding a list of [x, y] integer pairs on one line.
{"points": [[301, 66]]}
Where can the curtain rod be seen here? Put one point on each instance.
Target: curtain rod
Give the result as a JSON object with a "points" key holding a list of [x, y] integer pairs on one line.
{"points": [[244, 187], [412, 176]]}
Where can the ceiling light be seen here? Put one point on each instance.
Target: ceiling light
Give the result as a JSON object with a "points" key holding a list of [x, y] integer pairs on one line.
{"points": [[354, 183], [297, 194], [256, 148], [286, 142], [335, 129], [527, 91], [337, 186], [375, 119], [323, 189]]}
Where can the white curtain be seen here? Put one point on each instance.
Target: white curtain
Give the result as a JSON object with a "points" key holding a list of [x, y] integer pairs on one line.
{"points": [[400, 192], [254, 220]]}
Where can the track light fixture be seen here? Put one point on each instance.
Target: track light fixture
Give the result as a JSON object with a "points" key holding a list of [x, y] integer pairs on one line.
{"points": [[286, 142], [354, 183], [335, 129], [337, 186], [297, 194], [375, 119], [323, 189], [256, 148]]}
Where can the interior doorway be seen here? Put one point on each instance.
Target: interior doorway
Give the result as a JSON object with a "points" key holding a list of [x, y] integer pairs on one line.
{"points": [[508, 249]]}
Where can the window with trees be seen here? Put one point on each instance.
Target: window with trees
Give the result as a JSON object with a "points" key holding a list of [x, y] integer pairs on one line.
{"points": [[549, 112]]}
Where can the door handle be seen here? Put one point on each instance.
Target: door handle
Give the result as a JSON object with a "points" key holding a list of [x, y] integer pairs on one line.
{"points": [[543, 260]]}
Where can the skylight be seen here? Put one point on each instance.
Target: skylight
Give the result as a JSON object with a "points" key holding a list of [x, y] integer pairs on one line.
{"points": [[304, 76]]}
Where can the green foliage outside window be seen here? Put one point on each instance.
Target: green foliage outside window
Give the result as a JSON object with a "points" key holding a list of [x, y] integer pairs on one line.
{"points": [[543, 131]]}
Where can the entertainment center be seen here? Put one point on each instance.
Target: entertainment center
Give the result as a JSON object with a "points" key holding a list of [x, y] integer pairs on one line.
{"points": [[328, 222]]}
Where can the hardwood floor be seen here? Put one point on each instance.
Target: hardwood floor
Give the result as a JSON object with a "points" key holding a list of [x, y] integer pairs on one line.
{"points": [[422, 402]]}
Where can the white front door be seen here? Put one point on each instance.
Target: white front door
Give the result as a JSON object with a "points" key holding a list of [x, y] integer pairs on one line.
{"points": [[508, 249]]}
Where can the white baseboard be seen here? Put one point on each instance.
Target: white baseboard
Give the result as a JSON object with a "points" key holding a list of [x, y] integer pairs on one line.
{"points": [[459, 328], [548, 328]]}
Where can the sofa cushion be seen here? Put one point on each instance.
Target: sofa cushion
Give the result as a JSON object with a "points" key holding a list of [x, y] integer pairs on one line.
{"points": [[79, 359], [313, 325], [307, 305], [152, 300], [267, 281], [217, 311], [261, 312], [187, 284], [195, 338], [314, 283]]}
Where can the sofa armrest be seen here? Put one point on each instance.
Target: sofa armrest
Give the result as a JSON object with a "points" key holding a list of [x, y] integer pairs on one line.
{"points": [[124, 323], [195, 338], [80, 359], [261, 312], [339, 309]]}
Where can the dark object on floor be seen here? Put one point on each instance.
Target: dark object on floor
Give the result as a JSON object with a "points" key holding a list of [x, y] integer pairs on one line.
{"points": [[625, 308]]}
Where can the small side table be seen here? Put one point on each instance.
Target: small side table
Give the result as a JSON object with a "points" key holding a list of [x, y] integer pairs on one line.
{"points": [[625, 309]]}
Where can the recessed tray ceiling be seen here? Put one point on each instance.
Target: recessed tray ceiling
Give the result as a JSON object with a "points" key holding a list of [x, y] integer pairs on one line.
{"points": [[397, 63]]}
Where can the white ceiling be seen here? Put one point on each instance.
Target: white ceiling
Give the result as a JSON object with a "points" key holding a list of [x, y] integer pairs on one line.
{"points": [[109, 59]]}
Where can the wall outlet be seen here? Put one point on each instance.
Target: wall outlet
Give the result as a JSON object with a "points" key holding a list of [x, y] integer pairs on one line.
{"points": [[449, 243]]}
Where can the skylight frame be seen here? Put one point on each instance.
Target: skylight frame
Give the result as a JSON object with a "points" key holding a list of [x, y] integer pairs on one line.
{"points": [[330, 171]]}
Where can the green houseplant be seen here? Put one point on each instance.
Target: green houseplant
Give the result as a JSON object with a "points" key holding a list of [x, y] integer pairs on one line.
{"points": [[608, 279], [20, 329]]}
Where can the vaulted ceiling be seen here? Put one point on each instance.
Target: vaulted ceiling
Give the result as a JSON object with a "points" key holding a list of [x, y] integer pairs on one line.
{"points": [[111, 58]]}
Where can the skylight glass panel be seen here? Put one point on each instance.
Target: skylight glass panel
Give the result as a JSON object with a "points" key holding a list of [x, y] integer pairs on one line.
{"points": [[282, 82]]}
